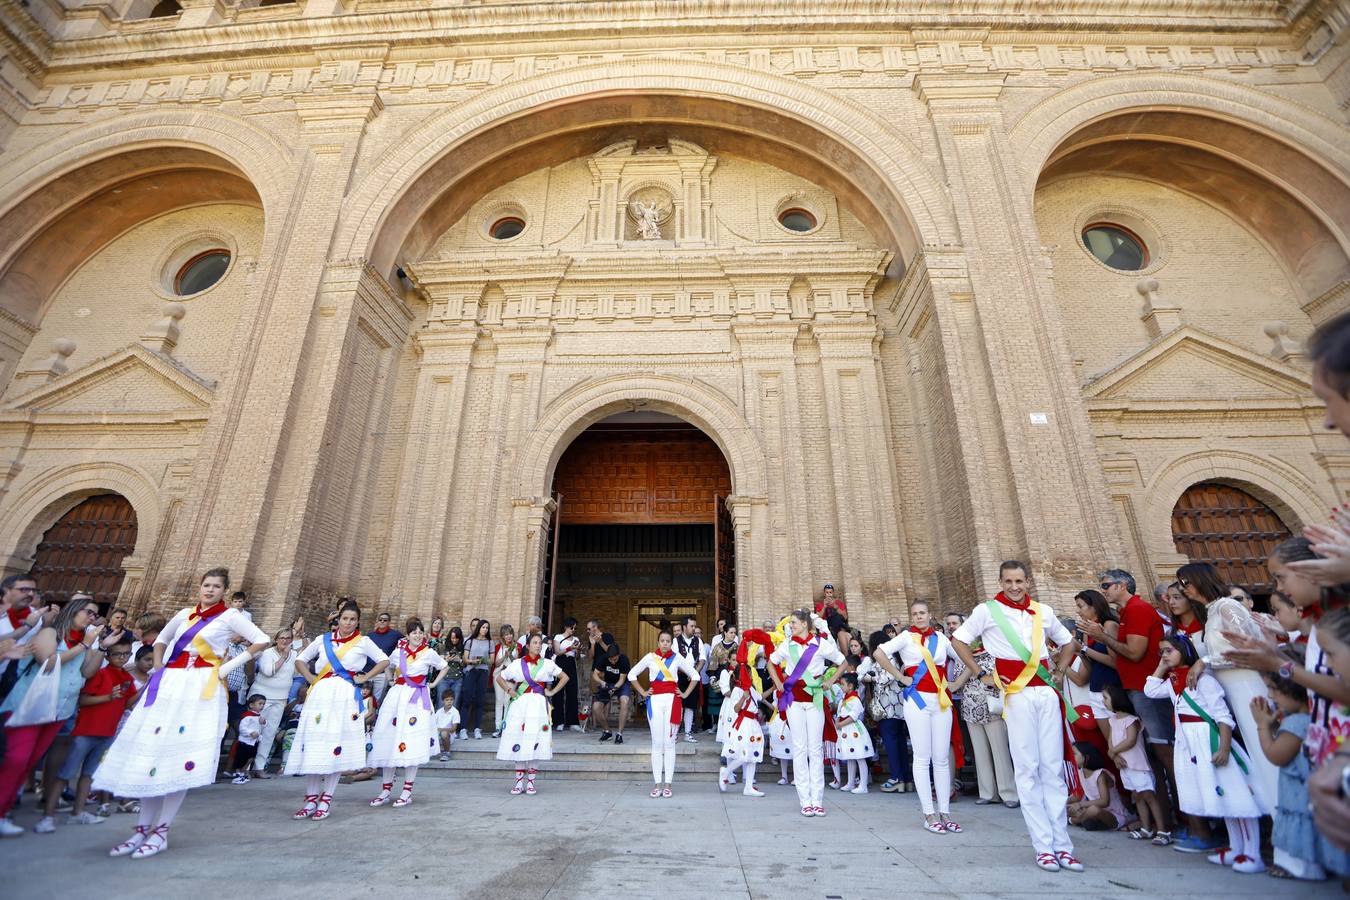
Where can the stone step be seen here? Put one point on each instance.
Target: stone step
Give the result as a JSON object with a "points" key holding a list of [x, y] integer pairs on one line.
{"points": [[581, 756]]}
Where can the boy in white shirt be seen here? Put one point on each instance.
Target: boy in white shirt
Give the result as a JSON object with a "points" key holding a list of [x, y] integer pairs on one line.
{"points": [[447, 723], [250, 729]]}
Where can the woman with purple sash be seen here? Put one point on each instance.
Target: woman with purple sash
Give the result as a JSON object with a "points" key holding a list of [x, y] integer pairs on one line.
{"points": [[801, 697], [527, 733], [171, 741], [405, 733]]}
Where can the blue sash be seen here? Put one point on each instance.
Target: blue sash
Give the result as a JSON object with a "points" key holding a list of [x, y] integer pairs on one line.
{"points": [[913, 690], [341, 671]]}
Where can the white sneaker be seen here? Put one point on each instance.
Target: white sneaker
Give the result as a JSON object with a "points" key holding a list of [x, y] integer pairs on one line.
{"points": [[9, 829], [496, 734], [45, 825], [241, 778], [86, 818], [722, 779], [690, 739], [478, 734], [860, 789], [463, 735], [752, 791]]}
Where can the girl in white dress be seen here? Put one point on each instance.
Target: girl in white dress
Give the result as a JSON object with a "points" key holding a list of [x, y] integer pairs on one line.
{"points": [[739, 731], [854, 745], [803, 659], [527, 733], [331, 737], [1213, 779], [170, 743], [924, 651], [405, 732], [663, 696]]}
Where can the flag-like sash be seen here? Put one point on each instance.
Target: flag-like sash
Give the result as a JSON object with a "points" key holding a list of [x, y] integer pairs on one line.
{"points": [[336, 667], [799, 675], [204, 651]]}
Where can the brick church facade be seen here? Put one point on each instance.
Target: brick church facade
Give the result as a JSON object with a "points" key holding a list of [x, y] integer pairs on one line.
{"points": [[619, 308]]}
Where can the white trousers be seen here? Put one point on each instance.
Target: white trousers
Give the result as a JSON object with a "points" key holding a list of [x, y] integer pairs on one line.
{"points": [[930, 736], [807, 725], [271, 716], [1036, 737], [503, 701], [663, 738]]}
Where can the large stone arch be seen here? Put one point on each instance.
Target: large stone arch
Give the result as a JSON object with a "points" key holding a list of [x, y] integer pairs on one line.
{"points": [[374, 225], [35, 506], [577, 409], [1286, 490]]}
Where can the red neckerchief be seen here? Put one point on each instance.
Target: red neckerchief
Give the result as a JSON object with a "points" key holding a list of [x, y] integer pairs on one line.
{"points": [[1178, 678], [853, 694], [530, 660], [803, 641], [412, 654], [1023, 606], [1195, 627], [1313, 612], [342, 640], [16, 621], [247, 713], [76, 636], [214, 609], [666, 656], [925, 633], [385, 630]]}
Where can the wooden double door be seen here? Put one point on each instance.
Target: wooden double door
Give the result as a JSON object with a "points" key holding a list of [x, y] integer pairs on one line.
{"points": [[1226, 526], [84, 549]]}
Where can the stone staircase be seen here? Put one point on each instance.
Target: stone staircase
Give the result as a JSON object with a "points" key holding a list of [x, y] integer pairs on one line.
{"points": [[581, 756]]}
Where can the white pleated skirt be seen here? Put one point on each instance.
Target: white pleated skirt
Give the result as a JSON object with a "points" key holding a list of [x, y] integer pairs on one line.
{"points": [[331, 737], [405, 732]]}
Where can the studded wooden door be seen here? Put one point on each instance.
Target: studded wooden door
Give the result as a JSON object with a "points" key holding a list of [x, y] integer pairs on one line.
{"points": [[83, 551], [1231, 529]]}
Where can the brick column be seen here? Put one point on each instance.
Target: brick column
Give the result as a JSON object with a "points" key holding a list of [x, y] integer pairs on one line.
{"points": [[1028, 405]]}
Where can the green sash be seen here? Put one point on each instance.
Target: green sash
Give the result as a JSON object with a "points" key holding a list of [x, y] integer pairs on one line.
{"points": [[1015, 640], [1233, 749]]}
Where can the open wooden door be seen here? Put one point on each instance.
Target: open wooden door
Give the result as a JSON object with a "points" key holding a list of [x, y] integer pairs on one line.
{"points": [[84, 550], [724, 566], [548, 586]]}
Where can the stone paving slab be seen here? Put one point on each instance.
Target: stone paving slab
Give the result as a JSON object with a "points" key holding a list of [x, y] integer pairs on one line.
{"points": [[467, 837]]}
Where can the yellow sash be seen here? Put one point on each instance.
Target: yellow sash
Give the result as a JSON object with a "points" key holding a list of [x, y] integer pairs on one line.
{"points": [[664, 671], [205, 652], [1033, 663], [340, 650], [944, 701]]}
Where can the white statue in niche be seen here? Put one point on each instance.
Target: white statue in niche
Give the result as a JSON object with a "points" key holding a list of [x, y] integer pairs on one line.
{"points": [[648, 218]]}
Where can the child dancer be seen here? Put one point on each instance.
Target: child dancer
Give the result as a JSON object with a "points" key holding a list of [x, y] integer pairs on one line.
{"points": [[664, 669], [527, 735], [171, 741], [447, 722], [1125, 733], [855, 744], [1100, 809], [1282, 733], [739, 728], [801, 698], [1212, 774], [250, 732], [405, 732], [923, 652], [331, 737]]}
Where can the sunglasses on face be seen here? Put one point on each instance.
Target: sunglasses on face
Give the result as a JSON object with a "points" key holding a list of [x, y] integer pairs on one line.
{"points": [[1183, 582], [1107, 585]]}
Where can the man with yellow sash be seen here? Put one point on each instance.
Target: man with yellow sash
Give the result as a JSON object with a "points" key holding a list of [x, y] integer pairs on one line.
{"points": [[1015, 630]]}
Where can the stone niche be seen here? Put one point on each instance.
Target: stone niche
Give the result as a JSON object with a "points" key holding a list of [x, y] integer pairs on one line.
{"points": [[657, 196]]}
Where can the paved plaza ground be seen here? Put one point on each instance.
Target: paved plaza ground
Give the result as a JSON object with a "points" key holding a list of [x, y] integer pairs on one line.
{"points": [[464, 836]]}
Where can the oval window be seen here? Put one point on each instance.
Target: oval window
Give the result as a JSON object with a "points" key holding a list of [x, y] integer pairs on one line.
{"points": [[200, 272], [506, 228], [798, 220], [1116, 247]]}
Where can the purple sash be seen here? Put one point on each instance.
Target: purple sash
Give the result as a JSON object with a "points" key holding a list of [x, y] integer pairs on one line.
{"points": [[785, 695], [152, 686], [533, 685], [420, 691]]}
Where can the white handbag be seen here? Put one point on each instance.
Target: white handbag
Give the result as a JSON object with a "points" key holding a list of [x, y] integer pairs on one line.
{"points": [[41, 703], [995, 703]]}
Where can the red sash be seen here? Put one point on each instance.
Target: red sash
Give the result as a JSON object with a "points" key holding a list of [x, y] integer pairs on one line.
{"points": [[926, 683], [1009, 669], [676, 707]]}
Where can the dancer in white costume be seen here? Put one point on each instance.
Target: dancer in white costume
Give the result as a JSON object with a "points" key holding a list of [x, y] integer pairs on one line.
{"points": [[405, 732], [1016, 632], [527, 733], [664, 707], [171, 741], [854, 746], [924, 651], [801, 695], [739, 729], [331, 737]]}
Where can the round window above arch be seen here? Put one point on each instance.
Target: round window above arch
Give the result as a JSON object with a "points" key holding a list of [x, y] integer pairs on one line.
{"points": [[1116, 246], [798, 220], [202, 271], [506, 227]]}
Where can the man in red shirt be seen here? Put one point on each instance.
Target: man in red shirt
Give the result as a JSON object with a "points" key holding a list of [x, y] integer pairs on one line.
{"points": [[103, 699], [1135, 648]]}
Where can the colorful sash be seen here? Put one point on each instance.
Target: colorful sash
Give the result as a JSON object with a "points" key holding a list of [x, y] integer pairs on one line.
{"points": [[204, 651], [799, 675], [928, 665], [666, 677], [1233, 749], [335, 666], [1031, 664], [420, 690], [529, 684], [748, 709]]}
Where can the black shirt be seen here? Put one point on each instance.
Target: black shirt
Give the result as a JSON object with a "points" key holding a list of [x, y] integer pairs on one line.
{"points": [[611, 671]]}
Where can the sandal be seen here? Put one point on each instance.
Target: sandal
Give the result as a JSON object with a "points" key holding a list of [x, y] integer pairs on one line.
{"points": [[667, 793], [129, 846], [520, 784], [936, 826], [1162, 839], [155, 842], [311, 803], [950, 827], [1141, 834], [322, 807]]}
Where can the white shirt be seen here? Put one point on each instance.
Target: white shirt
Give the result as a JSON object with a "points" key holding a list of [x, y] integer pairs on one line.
{"points": [[274, 674], [548, 671], [354, 660], [690, 652], [250, 729], [1207, 694], [906, 644], [447, 718], [677, 664], [567, 646], [425, 661], [828, 652], [981, 626], [216, 633]]}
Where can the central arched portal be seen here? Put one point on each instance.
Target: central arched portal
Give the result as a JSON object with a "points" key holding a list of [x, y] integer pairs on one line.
{"points": [[642, 529]]}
